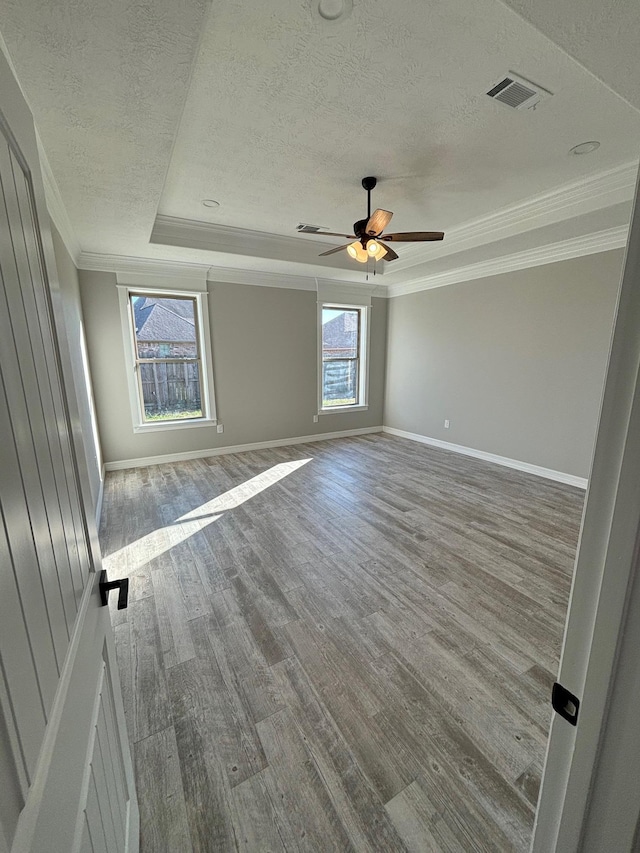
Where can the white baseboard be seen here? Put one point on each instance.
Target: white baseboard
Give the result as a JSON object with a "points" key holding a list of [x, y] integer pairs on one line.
{"points": [[99, 501], [237, 448], [548, 473]]}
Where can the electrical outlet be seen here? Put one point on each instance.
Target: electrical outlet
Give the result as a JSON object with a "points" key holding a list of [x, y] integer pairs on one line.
{"points": [[446, 424], [315, 419], [220, 428]]}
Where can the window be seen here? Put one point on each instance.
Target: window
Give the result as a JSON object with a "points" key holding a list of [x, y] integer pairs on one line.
{"points": [[170, 385], [343, 366]]}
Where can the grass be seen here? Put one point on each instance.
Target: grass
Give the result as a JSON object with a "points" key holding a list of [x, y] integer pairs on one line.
{"points": [[347, 401], [172, 416]]}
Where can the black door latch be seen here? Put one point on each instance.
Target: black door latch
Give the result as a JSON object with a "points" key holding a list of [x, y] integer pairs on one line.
{"points": [[565, 703], [122, 584]]}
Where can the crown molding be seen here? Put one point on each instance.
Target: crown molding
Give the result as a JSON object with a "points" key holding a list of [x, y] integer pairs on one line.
{"points": [[213, 237], [227, 239], [577, 198], [588, 244], [140, 266], [55, 205], [124, 265], [260, 278]]}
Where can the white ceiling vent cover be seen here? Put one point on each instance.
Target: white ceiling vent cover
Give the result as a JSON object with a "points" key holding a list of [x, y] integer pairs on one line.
{"points": [[516, 92]]}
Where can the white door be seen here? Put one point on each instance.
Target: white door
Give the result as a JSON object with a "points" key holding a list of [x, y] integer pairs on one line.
{"points": [[590, 795], [66, 778]]}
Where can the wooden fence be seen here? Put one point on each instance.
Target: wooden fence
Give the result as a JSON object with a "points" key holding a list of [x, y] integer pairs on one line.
{"points": [[172, 386]]}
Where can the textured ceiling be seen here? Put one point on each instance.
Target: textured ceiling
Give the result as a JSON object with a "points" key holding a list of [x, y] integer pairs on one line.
{"points": [[604, 36], [106, 81], [284, 117], [147, 108]]}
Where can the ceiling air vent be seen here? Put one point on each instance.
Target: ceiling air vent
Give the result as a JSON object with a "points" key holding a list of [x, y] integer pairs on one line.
{"points": [[309, 229], [517, 92]]}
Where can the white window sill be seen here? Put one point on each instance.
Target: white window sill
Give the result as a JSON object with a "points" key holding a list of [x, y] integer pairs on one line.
{"points": [[341, 409], [167, 425]]}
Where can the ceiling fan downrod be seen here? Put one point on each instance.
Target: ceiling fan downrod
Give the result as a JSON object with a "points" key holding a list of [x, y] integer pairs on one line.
{"points": [[369, 184]]}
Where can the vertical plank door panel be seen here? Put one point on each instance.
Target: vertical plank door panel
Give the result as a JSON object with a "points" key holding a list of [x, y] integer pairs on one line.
{"points": [[65, 768]]}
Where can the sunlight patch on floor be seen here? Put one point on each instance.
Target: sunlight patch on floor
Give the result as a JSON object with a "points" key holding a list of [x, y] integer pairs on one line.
{"points": [[132, 557]]}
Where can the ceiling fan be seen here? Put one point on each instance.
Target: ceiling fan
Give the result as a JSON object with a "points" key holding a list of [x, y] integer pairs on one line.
{"points": [[368, 234]]}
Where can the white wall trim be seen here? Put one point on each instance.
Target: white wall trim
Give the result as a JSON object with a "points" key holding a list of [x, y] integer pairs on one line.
{"points": [[586, 195], [588, 244], [237, 448], [100, 499], [196, 234], [262, 278], [163, 281], [228, 239], [345, 293], [143, 266], [132, 270], [547, 473], [577, 198]]}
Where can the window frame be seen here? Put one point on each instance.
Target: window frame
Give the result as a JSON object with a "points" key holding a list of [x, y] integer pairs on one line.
{"points": [[362, 403], [134, 379]]}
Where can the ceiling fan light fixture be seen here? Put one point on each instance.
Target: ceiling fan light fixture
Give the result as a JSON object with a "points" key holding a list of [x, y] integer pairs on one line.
{"points": [[356, 251], [370, 233], [376, 250]]}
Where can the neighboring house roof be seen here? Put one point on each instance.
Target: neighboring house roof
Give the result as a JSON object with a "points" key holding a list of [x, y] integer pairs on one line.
{"points": [[340, 335], [164, 320]]}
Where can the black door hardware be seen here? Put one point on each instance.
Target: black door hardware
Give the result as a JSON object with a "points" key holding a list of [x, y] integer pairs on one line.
{"points": [[565, 703], [122, 584]]}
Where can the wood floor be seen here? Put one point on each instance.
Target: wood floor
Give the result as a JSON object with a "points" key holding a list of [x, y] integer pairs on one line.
{"points": [[339, 646]]}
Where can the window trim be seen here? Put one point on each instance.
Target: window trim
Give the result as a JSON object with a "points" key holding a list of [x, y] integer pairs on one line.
{"points": [[362, 405], [203, 335]]}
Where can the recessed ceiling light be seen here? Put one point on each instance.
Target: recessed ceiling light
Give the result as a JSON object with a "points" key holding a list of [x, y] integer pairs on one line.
{"points": [[210, 202], [334, 10], [585, 148]]}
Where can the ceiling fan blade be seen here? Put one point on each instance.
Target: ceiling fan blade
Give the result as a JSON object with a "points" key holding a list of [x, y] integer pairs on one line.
{"points": [[378, 222], [331, 251], [334, 234], [414, 236], [391, 255]]}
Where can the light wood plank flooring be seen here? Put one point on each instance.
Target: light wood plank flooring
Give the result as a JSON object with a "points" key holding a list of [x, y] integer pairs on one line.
{"points": [[339, 646]]}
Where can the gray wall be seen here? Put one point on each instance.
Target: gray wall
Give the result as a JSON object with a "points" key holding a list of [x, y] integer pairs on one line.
{"points": [[264, 364], [70, 296], [516, 362]]}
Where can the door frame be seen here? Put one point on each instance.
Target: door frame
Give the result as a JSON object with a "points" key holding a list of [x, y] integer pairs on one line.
{"points": [[572, 810]]}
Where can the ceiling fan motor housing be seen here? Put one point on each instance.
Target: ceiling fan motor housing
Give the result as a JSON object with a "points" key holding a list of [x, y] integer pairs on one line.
{"points": [[359, 229]]}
